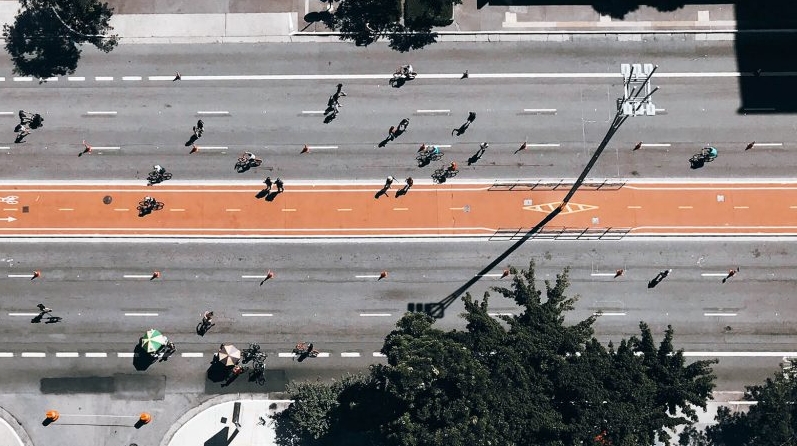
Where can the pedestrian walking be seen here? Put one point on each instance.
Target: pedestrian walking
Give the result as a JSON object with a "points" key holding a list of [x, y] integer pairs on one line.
{"points": [[278, 183], [407, 185], [339, 91], [482, 148], [388, 182], [168, 351], [731, 273], [268, 184], [199, 128]]}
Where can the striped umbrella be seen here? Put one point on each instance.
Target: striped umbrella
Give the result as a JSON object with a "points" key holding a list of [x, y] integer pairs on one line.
{"points": [[229, 355], [153, 341]]}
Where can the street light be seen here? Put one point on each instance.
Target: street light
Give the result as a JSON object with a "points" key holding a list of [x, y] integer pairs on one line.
{"points": [[636, 80]]}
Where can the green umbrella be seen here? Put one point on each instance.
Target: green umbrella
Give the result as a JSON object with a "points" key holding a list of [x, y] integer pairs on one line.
{"points": [[153, 341]]}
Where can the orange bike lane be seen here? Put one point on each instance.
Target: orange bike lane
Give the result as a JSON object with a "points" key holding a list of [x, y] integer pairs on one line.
{"points": [[426, 210]]}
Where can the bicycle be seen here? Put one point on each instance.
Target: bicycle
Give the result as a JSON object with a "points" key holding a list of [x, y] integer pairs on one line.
{"points": [[155, 177], [245, 163], [442, 174], [145, 208], [426, 158]]}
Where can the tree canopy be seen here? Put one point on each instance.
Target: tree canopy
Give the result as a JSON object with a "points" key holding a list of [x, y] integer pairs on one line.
{"points": [[524, 379], [366, 21], [46, 35], [772, 421]]}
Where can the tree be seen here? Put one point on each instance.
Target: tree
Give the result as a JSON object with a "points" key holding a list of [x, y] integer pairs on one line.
{"points": [[366, 21], [45, 37], [772, 421], [524, 379]]}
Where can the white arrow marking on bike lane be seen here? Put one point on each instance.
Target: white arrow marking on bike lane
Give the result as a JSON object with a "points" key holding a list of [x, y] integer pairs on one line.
{"points": [[8, 219]]}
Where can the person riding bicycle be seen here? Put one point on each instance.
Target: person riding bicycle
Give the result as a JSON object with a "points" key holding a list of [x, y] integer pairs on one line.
{"points": [[207, 318], [158, 169], [452, 167], [249, 157], [406, 70], [710, 152], [150, 202]]}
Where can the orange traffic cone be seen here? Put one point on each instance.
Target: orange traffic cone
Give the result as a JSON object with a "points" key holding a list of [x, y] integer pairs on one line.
{"points": [[269, 275], [750, 146], [145, 418], [52, 415], [382, 275], [87, 149], [305, 149], [619, 273], [505, 273], [194, 149], [638, 145], [155, 275], [36, 275]]}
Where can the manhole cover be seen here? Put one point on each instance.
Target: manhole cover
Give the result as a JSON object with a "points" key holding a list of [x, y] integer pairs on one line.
{"points": [[107, 200]]}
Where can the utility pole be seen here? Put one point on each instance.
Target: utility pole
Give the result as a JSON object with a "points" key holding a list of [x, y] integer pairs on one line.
{"points": [[637, 92]]}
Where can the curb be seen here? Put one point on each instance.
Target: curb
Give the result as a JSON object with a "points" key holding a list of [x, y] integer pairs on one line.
{"points": [[15, 426]]}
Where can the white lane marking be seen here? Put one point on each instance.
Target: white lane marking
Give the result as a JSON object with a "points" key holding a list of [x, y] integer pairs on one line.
{"points": [[543, 145], [714, 274], [52, 79], [213, 112], [401, 209], [323, 355], [349, 355], [67, 355], [603, 274], [286, 355], [233, 210], [121, 209], [2, 79], [76, 78], [5, 148], [488, 275], [192, 355], [101, 113], [106, 148], [289, 210], [201, 148], [432, 111], [6, 355], [768, 144], [33, 354], [141, 314], [500, 314], [720, 314], [253, 277], [256, 314], [96, 355], [379, 355], [321, 147], [312, 112], [137, 276], [20, 276], [131, 78], [125, 355], [634, 207], [539, 110], [23, 314], [655, 144], [608, 313], [344, 210], [7, 113], [176, 210], [685, 207], [22, 79], [103, 78], [741, 207], [65, 209], [369, 276], [375, 314]]}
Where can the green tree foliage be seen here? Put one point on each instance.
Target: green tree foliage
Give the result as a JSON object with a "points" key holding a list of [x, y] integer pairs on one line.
{"points": [[772, 421], [515, 380], [46, 35], [366, 21]]}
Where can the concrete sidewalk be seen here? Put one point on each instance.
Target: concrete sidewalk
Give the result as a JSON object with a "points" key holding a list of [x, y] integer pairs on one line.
{"points": [[220, 21]]}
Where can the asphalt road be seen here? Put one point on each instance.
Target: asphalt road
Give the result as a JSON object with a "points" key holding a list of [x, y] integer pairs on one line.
{"points": [[153, 119], [329, 293]]}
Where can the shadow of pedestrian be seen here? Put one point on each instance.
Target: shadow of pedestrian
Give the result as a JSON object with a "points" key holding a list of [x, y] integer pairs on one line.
{"points": [[384, 142], [37, 319], [381, 192], [659, 277], [262, 194], [217, 372], [696, 164], [402, 191], [143, 212], [191, 140], [473, 159], [397, 82], [271, 196], [330, 117], [461, 129]]}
